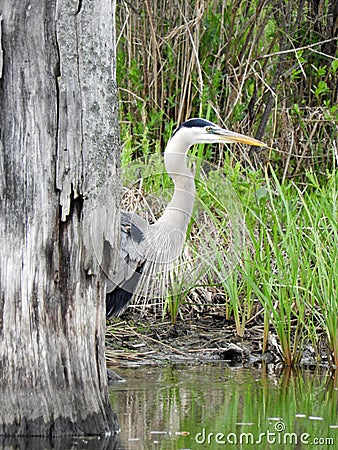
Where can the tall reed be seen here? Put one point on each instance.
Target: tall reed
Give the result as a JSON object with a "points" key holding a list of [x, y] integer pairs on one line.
{"points": [[264, 68]]}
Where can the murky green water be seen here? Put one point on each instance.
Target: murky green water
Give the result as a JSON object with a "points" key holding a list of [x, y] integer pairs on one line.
{"points": [[214, 406]]}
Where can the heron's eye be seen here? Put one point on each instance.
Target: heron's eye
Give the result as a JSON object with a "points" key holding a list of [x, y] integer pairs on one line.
{"points": [[209, 129]]}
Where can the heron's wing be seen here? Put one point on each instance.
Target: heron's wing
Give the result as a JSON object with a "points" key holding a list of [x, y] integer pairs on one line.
{"points": [[131, 256]]}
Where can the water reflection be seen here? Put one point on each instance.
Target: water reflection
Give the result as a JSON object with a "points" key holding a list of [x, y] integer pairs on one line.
{"points": [[214, 406], [65, 443]]}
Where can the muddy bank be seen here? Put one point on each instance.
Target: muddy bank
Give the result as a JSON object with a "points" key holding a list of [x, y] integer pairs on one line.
{"points": [[135, 340]]}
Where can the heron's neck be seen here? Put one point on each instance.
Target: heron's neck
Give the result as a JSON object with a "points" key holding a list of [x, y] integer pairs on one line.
{"points": [[180, 208]]}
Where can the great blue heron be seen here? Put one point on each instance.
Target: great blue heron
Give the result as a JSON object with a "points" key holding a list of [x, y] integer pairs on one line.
{"points": [[146, 248]]}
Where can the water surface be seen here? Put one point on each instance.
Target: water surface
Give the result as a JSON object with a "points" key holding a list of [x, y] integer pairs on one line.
{"points": [[212, 406]]}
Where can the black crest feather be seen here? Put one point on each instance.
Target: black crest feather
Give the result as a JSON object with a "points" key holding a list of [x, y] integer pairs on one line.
{"points": [[200, 123]]}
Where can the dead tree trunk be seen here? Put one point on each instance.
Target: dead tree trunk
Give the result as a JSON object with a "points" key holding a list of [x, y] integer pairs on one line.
{"points": [[58, 153]]}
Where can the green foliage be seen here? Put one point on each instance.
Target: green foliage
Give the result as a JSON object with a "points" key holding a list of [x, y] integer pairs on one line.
{"points": [[226, 63], [179, 62], [289, 263]]}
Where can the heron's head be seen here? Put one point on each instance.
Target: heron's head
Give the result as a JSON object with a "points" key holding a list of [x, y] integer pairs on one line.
{"points": [[201, 131]]}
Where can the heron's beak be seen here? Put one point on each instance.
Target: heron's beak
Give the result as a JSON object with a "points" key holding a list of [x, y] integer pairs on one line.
{"points": [[232, 137]]}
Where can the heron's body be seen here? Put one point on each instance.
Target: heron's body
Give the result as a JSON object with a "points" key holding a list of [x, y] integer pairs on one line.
{"points": [[147, 249]]}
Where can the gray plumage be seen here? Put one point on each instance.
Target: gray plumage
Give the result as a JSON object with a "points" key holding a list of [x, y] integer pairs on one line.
{"points": [[147, 250]]}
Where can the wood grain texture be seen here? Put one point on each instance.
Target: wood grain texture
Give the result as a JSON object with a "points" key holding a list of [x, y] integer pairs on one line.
{"points": [[58, 191]]}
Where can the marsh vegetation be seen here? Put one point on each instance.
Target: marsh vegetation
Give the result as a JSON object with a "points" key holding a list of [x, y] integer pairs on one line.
{"points": [[270, 70]]}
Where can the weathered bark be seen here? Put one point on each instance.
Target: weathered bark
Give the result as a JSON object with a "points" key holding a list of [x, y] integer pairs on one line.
{"points": [[58, 144]]}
